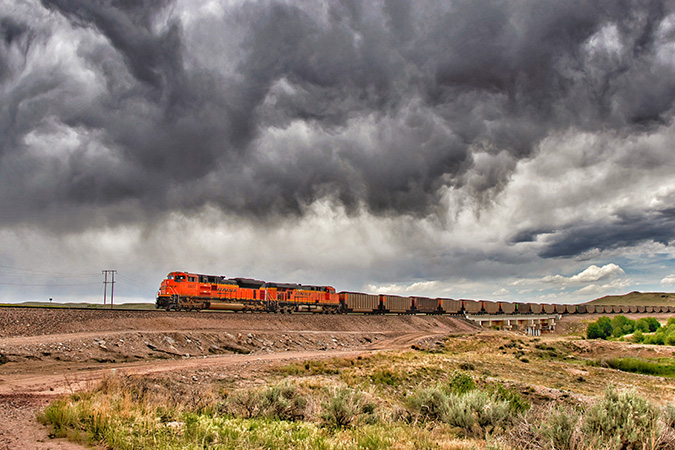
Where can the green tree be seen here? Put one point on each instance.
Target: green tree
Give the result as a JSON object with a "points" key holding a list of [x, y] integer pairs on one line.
{"points": [[622, 325], [593, 331], [605, 325], [647, 324]]}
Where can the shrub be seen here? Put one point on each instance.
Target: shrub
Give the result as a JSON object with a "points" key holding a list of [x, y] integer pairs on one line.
{"points": [[467, 366], [558, 428], [647, 324], [638, 337], [600, 329], [622, 325], [281, 401], [668, 416], [244, 403], [428, 404], [461, 383], [621, 420], [386, 377], [605, 325], [655, 339], [593, 331], [477, 413], [516, 402], [670, 339], [347, 407], [637, 365]]}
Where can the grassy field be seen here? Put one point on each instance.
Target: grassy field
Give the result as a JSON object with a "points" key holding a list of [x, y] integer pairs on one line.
{"points": [[637, 299], [493, 390]]}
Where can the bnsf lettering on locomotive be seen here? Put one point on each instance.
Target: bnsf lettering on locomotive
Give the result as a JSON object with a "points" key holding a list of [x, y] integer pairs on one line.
{"points": [[228, 290]]}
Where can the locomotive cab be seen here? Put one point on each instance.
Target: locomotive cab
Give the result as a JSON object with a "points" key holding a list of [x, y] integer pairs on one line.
{"points": [[169, 290]]}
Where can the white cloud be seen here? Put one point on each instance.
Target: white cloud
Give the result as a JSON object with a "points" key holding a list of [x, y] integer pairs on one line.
{"points": [[669, 279], [595, 273], [591, 274], [613, 287], [421, 288]]}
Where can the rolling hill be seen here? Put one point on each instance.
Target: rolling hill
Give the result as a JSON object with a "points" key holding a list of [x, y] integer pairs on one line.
{"points": [[637, 298]]}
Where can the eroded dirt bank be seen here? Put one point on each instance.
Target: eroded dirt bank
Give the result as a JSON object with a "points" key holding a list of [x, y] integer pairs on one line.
{"points": [[43, 321], [64, 340]]}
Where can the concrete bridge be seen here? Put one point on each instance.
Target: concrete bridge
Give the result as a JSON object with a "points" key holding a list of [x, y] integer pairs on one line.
{"points": [[531, 324]]}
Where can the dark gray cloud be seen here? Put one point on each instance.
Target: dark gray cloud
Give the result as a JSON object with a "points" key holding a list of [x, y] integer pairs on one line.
{"points": [[395, 99], [627, 229]]}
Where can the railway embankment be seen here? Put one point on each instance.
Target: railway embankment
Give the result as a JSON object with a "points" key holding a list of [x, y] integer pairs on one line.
{"points": [[50, 321]]}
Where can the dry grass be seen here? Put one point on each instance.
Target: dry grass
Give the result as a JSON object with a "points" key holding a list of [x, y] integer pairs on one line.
{"points": [[376, 401]]}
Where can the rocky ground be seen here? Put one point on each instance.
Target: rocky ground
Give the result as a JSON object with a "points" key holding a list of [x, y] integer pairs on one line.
{"points": [[48, 352]]}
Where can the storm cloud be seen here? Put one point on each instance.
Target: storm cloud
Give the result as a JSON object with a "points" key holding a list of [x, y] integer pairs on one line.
{"points": [[120, 113], [394, 98], [626, 230]]}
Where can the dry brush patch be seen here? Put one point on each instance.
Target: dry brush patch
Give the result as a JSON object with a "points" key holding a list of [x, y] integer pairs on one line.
{"points": [[474, 392]]}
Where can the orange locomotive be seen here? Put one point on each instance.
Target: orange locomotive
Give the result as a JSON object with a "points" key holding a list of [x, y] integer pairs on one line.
{"points": [[189, 291]]}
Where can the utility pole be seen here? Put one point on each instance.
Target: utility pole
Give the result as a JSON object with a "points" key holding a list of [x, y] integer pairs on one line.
{"points": [[112, 290], [112, 287]]}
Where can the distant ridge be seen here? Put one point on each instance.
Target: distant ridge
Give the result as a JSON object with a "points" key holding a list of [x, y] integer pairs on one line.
{"points": [[637, 299]]}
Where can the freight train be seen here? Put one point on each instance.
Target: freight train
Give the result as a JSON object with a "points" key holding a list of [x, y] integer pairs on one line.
{"points": [[190, 292]]}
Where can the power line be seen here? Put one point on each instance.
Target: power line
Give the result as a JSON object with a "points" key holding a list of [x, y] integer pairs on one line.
{"points": [[138, 284]]}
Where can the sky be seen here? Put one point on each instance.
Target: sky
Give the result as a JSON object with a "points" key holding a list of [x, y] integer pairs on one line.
{"points": [[513, 150]]}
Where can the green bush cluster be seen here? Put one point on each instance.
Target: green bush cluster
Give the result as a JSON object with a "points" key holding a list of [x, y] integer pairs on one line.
{"points": [[475, 412], [558, 427], [461, 383], [281, 402], [618, 421], [662, 336], [129, 414], [622, 421], [347, 407], [344, 407], [645, 367], [604, 327]]}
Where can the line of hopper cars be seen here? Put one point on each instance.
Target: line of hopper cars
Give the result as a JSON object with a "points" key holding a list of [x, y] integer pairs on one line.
{"points": [[190, 291]]}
